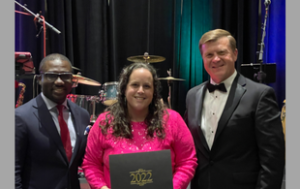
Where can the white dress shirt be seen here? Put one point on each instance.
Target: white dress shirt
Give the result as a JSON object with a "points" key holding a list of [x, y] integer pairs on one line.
{"points": [[67, 117], [212, 109]]}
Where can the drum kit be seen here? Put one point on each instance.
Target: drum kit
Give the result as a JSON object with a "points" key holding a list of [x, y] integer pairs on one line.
{"points": [[108, 94]]}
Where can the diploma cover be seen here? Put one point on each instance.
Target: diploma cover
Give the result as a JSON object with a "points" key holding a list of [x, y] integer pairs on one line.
{"points": [[142, 170]]}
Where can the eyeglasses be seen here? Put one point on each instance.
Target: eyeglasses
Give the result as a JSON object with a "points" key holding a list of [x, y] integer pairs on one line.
{"points": [[51, 76]]}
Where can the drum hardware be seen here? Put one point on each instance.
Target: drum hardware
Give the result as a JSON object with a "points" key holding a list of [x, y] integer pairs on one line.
{"points": [[74, 68], [146, 58], [109, 93], [78, 78], [24, 67], [170, 79], [87, 102], [38, 17], [94, 99]]}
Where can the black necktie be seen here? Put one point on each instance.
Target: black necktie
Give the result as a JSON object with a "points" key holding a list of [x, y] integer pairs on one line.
{"points": [[212, 87]]}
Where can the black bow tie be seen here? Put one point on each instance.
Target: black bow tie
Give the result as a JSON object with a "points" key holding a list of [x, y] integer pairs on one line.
{"points": [[212, 87]]}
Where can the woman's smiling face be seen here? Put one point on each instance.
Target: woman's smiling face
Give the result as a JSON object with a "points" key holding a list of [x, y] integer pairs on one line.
{"points": [[139, 90]]}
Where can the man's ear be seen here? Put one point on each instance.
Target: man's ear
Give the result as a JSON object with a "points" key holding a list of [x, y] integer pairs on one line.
{"points": [[39, 79], [236, 54]]}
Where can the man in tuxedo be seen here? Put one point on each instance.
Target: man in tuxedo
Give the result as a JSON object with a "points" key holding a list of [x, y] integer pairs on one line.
{"points": [[49, 131], [236, 128]]}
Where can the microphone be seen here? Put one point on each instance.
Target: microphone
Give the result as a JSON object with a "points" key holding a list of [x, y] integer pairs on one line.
{"points": [[267, 2]]}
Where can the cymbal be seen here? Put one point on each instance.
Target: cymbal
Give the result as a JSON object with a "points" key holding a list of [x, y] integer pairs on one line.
{"points": [[170, 78], [146, 58], [84, 80], [74, 68]]}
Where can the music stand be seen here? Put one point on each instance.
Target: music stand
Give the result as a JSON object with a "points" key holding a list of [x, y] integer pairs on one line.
{"points": [[251, 71]]}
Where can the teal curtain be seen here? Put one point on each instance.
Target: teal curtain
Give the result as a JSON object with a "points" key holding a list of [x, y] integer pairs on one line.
{"points": [[192, 19]]}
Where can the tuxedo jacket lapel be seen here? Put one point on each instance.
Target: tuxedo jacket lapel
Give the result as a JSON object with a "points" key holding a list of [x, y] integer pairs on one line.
{"points": [[48, 124], [236, 92], [199, 103]]}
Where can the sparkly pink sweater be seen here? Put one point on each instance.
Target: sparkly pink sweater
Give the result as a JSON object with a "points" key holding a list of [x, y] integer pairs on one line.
{"points": [[178, 139]]}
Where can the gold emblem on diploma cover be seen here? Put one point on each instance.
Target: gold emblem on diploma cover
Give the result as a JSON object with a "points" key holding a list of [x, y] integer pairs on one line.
{"points": [[141, 177]]}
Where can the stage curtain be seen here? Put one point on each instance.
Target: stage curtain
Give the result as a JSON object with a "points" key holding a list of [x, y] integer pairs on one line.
{"points": [[192, 19], [275, 45], [99, 36]]}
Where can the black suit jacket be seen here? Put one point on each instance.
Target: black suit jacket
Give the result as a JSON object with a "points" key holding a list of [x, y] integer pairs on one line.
{"points": [[40, 159], [248, 150]]}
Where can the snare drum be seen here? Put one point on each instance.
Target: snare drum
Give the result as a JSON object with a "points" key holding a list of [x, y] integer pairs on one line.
{"points": [[109, 93]]}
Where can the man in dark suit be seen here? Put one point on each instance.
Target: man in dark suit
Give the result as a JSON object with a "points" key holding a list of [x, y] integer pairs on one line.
{"points": [[236, 128], [50, 144]]}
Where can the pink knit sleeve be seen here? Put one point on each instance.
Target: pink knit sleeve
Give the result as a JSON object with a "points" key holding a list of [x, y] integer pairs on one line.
{"points": [[93, 160], [185, 153]]}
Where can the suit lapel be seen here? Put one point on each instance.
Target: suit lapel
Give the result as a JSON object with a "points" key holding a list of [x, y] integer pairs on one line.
{"points": [[236, 92], [199, 103], [48, 124]]}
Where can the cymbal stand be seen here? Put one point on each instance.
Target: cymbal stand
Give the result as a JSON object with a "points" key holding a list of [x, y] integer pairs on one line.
{"points": [[93, 99], [146, 57], [170, 89]]}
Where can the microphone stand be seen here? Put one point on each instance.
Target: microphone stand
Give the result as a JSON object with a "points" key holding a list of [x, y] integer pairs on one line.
{"points": [[261, 75], [38, 18]]}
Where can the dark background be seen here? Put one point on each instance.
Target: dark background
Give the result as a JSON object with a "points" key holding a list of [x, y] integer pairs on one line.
{"points": [[99, 36]]}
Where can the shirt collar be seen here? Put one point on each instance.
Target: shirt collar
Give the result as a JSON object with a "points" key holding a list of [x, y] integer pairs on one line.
{"points": [[227, 81], [50, 104]]}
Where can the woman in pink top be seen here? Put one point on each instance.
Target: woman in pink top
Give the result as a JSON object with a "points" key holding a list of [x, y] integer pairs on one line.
{"points": [[138, 122]]}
